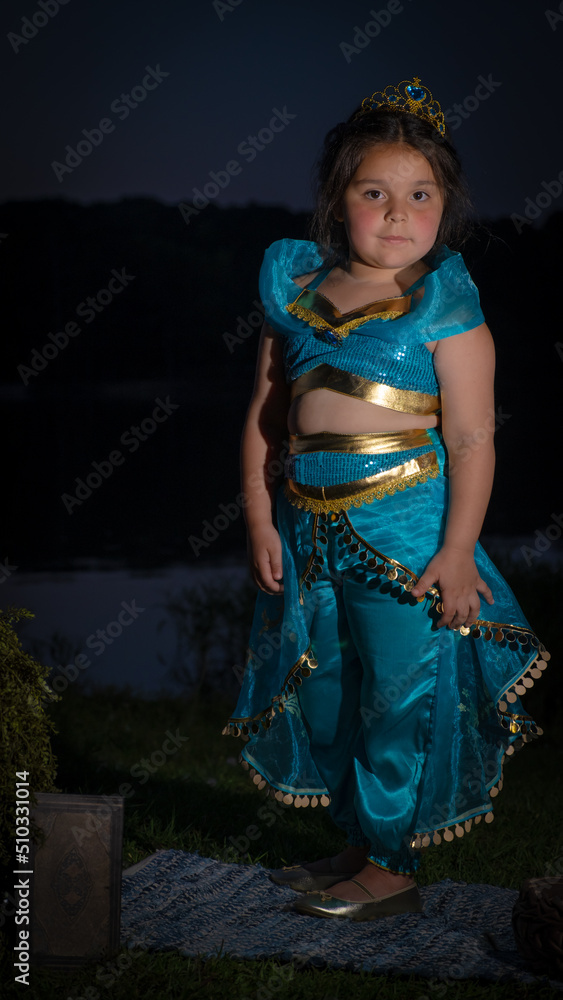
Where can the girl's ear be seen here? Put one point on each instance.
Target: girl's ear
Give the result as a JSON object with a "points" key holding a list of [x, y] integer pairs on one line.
{"points": [[338, 213]]}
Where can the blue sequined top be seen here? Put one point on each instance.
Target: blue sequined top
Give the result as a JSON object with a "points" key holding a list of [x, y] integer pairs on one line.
{"points": [[383, 349]]}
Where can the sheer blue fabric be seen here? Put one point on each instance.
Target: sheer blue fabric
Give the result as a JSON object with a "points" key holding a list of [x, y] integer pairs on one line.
{"points": [[399, 722], [351, 696], [450, 304]]}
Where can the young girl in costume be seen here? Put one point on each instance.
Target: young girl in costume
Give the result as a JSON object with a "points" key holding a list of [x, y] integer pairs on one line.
{"points": [[376, 684]]}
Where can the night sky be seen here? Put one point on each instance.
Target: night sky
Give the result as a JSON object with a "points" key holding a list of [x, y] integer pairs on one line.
{"points": [[228, 65], [106, 101]]}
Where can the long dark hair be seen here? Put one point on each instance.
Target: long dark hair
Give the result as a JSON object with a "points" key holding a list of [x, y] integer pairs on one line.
{"points": [[344, 148]]}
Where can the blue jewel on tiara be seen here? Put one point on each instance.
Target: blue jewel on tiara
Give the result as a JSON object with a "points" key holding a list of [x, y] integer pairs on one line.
{"points": [[417, 93], [409, 96]]}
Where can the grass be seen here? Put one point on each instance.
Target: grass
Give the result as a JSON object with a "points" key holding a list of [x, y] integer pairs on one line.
{"points": [[199, 799]]}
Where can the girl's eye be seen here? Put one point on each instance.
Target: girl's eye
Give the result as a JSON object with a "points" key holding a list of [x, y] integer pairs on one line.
{"points": [[420, 196], [374, 194]]}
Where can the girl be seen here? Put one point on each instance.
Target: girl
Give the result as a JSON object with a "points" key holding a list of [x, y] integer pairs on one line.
{"points": [[375, 684]]}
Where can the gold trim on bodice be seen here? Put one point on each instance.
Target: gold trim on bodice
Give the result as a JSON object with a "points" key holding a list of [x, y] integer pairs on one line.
{"points": [[319, 312], [375, 443], [322, 499], [326, 377]]}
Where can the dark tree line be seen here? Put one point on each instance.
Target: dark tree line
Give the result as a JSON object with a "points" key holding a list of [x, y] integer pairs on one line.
{"points": [[110, 308]]}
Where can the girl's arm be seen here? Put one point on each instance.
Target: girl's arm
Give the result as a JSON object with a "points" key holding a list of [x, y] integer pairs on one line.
{"points": [[465, 369], [262, 438]]}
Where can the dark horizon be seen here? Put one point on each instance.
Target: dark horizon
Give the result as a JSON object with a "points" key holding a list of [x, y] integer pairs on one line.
{"points": [[184, 92], [127, 311]]}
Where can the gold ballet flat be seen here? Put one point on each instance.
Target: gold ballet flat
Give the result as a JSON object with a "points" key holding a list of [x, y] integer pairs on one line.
{"points": [[320, 904], [302, 880]]}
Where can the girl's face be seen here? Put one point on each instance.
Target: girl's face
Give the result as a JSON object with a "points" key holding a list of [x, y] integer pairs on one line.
{"points": [[391, 208]]}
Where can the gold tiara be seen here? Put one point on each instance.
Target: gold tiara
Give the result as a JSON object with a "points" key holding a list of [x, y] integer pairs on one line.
{"points": [[410, 96]]}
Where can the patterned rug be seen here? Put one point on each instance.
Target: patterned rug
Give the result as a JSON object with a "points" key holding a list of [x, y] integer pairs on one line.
{"points": [[197, 906]]}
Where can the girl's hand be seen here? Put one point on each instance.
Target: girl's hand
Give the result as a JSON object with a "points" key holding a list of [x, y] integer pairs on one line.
{"points": [[455, 574], [265, 558]]}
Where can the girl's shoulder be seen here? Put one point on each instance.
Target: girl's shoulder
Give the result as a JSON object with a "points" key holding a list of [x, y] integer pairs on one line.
{"points": [[295, 258]]}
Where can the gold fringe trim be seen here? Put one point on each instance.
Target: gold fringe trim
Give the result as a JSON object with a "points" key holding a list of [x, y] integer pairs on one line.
{"points": [[301, 800], [520, 686], [516, 637], [515, 723], [339, 332], [372, 558], [315, 505], [250, 725]]}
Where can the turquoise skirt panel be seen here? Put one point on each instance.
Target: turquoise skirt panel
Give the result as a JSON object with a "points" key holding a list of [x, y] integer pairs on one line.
{"points": [[352, 698]]}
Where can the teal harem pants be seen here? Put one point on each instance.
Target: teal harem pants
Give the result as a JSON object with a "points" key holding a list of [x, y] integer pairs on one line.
{"points": [[351, 697]]}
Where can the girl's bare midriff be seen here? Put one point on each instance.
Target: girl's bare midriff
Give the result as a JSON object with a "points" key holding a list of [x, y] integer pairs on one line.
{"points": [[325, 410]]}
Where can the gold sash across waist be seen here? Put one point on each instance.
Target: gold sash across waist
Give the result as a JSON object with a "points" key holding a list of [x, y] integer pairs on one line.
{"points": [[375, 443], [336, 380], [345, 495]]}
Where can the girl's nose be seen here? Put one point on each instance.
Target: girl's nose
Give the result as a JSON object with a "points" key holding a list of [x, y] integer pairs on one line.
{"points": [[395, 213]]}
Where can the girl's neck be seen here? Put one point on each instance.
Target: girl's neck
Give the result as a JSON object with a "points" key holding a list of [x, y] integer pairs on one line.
{"points": [[402, 278]]}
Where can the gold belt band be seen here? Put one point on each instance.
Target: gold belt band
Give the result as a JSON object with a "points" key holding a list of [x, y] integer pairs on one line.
{"points": [[345, 495], [326, 377], [377, 443]]}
